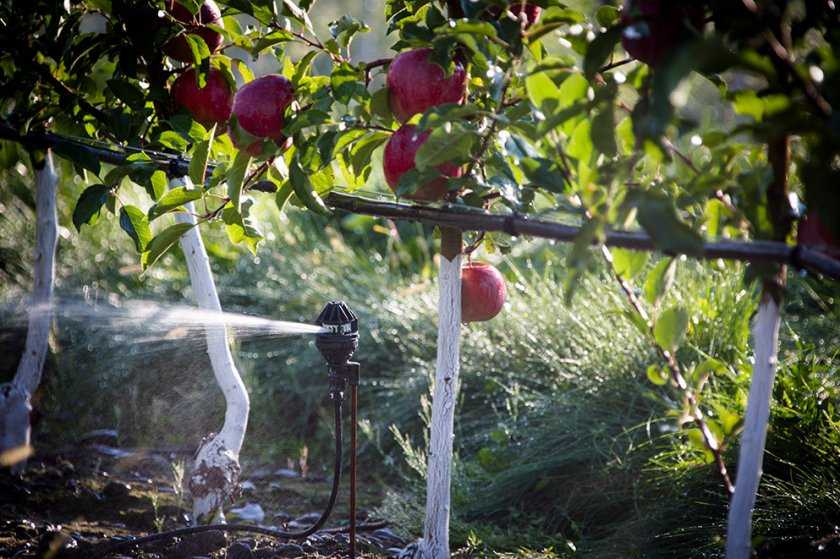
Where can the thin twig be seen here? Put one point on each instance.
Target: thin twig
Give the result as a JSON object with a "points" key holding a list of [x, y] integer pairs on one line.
{"points": [[615, 64], [676, 375]]}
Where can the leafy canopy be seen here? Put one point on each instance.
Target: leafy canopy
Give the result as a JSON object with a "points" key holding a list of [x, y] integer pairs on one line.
{"points": [[558, 118]]}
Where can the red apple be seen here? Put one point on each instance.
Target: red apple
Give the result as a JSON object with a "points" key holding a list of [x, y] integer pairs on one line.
{"points": [[416, 84], [209, 12], [653, 28], [260, 106], [813, 233], [208, 105], [398, 159], [483, 292]]}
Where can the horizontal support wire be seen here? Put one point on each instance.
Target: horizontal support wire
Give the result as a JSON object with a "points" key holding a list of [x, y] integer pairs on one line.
{"points": [[477, 220], [469, 219]]}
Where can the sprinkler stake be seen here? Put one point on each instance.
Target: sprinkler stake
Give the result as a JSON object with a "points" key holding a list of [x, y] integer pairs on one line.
{"points": [[337, 346]]}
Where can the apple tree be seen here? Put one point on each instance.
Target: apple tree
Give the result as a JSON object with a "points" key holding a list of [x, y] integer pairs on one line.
{"points": [[691, 120]]}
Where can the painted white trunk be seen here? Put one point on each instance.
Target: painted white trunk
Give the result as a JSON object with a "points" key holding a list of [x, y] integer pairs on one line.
{"points": [[435, 542], [15, 397], [766, 344], [216, 470]]}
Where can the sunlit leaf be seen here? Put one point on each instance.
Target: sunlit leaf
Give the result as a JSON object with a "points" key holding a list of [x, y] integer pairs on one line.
{"points": [[670, 328], [134, 222], [162, 242]]}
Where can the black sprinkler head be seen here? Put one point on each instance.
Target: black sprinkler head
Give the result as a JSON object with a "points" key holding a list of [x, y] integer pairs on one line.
{"points": [[338, 319], [339, 342]]}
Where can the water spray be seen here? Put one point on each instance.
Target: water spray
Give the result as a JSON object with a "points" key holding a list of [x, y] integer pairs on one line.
{"points": [[337, 341]]}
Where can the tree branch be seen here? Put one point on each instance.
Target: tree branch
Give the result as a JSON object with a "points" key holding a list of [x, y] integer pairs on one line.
{"points": [[712, 444]]}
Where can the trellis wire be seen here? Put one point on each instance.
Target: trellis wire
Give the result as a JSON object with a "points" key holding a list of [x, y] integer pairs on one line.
{"points": [[473, 219]]}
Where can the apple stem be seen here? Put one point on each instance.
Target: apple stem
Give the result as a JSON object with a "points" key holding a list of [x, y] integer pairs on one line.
{"points": [[15, 399]]}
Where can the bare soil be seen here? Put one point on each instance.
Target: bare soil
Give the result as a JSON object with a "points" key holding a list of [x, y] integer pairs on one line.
{"points": [[65, 504]]}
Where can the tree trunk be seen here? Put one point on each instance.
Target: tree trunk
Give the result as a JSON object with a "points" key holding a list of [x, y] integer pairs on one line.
{"points": [[766, 343], [216, 470], [15, 397], [435, 543]]}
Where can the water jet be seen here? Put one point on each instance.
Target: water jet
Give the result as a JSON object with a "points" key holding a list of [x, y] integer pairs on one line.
{"points": [[337, 341]]}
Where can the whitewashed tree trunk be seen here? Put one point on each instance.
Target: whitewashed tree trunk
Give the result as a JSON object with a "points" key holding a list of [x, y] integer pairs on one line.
{"points": [[15, 397], [435, 542], [766, 343], [216, 470]]}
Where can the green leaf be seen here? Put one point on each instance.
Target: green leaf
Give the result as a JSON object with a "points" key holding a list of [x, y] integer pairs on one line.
{"points": [[447, 143], [411, 181], [544, 173], [599, 50], [303, 66], [628, 263], [158, 184], [580, 145], [658, 216], [703, 370], [573, 89], [748, 103], [541, 88], [603, 131], [273, 38], [244, 70], [235, 177], [729, 420], [380, 104], [198, 163], [198, 48], [172, 200], [345, 28], [671, 327], [607, 15], [173, 140], [304, 190], [133, 221], [127, 92], [192, 6], [283, 195], [660, 279], [162, 242], [240, 229], [346, 81], [89, 205], [657, 375]]}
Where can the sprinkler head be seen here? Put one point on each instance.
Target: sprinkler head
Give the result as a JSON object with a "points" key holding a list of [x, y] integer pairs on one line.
{"points": [[338, 344]]}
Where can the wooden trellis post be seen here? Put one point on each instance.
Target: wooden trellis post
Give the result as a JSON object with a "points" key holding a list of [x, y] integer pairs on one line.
{"points": [[216, 469], [15, 396], [435, 543]]}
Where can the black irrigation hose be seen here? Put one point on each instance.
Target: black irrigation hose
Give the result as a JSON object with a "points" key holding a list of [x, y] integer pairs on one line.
{"points": [[115, 546]]}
